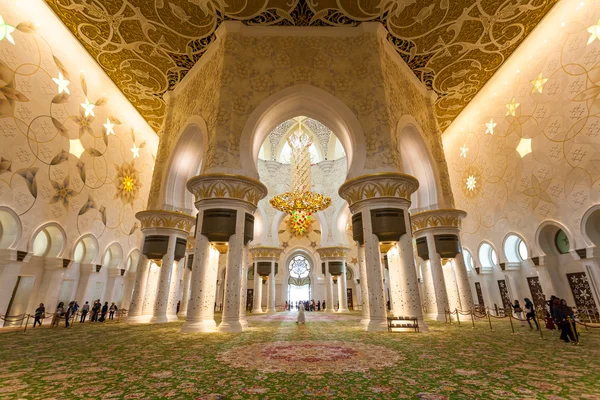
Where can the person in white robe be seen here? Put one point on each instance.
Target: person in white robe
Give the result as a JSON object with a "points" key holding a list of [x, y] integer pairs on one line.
{"points": [[301, 318]]}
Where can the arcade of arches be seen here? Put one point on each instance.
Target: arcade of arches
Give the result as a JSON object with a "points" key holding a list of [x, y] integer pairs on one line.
{"points": [[206, 186]]}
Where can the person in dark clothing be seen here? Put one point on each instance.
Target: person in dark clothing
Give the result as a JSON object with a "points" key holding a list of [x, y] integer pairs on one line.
{"points": [[111, 311], [96, 310], [323, 305], [319, 305], [84, 311], [104, 311], [531, 314], [40, 313], [568, 331], [68, 314]]}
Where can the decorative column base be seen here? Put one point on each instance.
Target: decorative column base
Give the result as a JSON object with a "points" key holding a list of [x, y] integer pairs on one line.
{"points": [[231, 326], [375, 325], [208, 325], [139, 319]]}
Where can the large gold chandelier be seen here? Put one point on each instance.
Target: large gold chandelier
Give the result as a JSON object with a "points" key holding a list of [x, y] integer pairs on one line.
{"points": [[300, 203]]}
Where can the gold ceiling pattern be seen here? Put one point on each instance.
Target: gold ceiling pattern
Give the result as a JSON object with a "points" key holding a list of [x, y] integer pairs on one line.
{"points": [[148, 46]]}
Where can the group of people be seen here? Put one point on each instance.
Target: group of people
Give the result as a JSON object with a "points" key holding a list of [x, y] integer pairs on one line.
{"points": [[308, 305], [98, 313], [558, 314]]}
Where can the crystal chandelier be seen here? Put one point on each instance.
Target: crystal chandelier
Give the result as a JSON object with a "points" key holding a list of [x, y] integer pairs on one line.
{"points": [[300, 203]]}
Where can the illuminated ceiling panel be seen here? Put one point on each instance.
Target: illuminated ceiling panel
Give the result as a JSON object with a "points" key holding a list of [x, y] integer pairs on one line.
{"points": [[147, 46]]}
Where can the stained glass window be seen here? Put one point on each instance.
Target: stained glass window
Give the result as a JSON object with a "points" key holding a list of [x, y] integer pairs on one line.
{"points": [[299, 266]]}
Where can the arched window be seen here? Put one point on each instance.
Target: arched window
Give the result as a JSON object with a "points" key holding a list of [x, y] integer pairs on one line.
{"points": [[132, 260], [515, 249], [487, 256], [9, 229], [468, 260], [48, 242], [113, 256], [561, 240], [86, 250], [299, 267]]}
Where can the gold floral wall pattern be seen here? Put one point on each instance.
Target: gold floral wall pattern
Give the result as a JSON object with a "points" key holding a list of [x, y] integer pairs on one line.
{"points": [[66, 153], [453, 47], [526, 149]]}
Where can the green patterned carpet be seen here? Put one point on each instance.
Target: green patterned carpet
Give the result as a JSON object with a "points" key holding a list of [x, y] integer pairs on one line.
{"points": [[329, 357]]}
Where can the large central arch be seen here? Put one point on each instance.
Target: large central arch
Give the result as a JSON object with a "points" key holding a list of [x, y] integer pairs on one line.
{"points": [[309, 101]]}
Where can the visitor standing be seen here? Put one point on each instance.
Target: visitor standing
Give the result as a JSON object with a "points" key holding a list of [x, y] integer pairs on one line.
{"points": [[319, 305], [567, 322], [40, 313], [104, 311], [301, 318], [96, 310], [68, 314], [531, 314], [323, 305], [84, 311], [57, 314], [518, 312], [111, 311]]}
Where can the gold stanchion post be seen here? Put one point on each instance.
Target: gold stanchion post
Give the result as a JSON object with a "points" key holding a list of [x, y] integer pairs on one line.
{"points": [[457, 318], [512, 327], [489, 319], [26, 323], [473, 317], [571, 322]]}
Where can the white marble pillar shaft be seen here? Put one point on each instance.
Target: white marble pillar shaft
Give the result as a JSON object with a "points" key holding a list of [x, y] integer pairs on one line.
{"points": [[164, 283], [411, 298], [174, 288], [462, 280], [364, 288], [428, 290], [343, 290], [230, 321], [395, 285], [257, 301], [377, 306], [272, 290], [244, 289], [185, 291], [329, 305], [451, 287], [437, 277]]}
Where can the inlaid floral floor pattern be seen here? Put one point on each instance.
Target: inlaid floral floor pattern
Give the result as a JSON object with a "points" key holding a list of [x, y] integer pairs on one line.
{"points": [[329, 358]]}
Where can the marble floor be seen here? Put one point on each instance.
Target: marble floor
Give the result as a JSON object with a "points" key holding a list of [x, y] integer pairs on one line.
{"points": [[328, 357]]}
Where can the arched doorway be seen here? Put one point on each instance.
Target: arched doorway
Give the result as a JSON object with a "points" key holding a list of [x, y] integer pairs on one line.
{"points": [[299, 284]]}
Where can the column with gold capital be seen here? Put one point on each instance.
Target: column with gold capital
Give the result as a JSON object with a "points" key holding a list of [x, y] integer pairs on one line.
{"points": [[334, 258], [165, 236], [265, 259], [379, 204], [437, 234], [226, 204]]}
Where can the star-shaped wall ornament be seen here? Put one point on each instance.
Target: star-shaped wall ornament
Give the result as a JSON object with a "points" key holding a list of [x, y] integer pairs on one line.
{"points": [[109, 126], [594, 31], [489, 126], [63, 84], [76, 148], [538, 83], [524, 147], [471, 183], [135, 150], [463, 150], [512, 107], [88, 108], [6, 30]]}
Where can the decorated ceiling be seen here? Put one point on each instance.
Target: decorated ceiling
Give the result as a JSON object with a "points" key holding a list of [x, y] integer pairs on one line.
{"points": [[148, 46]]}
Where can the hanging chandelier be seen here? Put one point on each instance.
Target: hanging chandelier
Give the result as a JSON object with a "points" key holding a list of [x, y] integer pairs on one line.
{"points": [[300, 203]]}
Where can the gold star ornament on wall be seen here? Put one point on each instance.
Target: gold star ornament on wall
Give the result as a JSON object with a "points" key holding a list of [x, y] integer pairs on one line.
{"points": [[594, 31], [512, 107], [463, 150], [135, 150], [88, 108], [6, 30], [471, 183], [109, 126], [127, 183], [524, 147], [538, 84], [63, 84], [489, 126]]}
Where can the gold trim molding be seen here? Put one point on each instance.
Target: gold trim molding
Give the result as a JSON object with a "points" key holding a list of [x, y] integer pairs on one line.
{"points": [[227, 186], [448, 218], [165, 219], [333, 252], [191, 242], [266, 252], [384, 184]]}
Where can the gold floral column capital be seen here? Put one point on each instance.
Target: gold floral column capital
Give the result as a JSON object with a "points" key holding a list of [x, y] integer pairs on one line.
{"points": [[436, 219], [390, 185], [333, 252], [191, 243], [266, 252], [166, 219], [227, 186]]}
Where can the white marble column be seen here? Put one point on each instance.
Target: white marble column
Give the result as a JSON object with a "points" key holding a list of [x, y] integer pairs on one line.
{"points": [[462, 280], [200, 312], [110, 284], [128, 289], [256, 303], [185, 292], [272, 290], [139, 290], [395, 285], [329, 306], [437, 277], [50, 284], [244, 289], [343, 292], [230, 321], [164, 283], [377, 304], [85, 272], [363, 285], [151, 289], [451, 287], [411, 298], [428, 290], [174, 287], [9, 275]]}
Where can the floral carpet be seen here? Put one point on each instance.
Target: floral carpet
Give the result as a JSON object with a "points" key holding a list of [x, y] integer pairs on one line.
{"points": [[328, 357]]}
